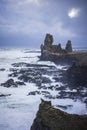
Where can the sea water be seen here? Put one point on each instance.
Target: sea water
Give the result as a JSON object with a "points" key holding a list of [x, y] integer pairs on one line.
{"points": [[18, 111]]}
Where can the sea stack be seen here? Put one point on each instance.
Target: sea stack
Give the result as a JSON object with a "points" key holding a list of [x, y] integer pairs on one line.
{"points": [[49, 50]]}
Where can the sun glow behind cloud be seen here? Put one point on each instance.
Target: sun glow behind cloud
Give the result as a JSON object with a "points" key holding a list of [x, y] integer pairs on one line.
{"points": [[74, 12], [34, 18]]}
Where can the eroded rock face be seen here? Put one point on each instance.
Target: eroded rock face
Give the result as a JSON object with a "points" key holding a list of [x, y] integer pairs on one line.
{"points": [[78, 75], [49, 51], [49, 118], [48, 40], [68, 46]]}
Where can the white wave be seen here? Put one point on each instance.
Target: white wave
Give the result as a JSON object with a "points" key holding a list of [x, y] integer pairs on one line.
{"points": [[18, 111], [49, 63], [17, 55], [77, 106]]}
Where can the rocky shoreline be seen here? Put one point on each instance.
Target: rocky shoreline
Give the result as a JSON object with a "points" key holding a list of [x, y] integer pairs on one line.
{"points": [[29, 81], [49, 118]]}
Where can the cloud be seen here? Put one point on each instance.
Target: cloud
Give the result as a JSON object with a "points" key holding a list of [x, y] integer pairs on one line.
{"points": [[37, 2], [74, 12], [23, 4], [33, 17], [20, 2], [36, 27]]}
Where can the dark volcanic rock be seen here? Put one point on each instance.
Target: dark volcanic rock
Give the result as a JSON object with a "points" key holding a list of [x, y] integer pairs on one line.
{"points": [[23, 64], [2, 69], [5, 95], [71, 95], [32, 73], [24, 77], [68, 46], [63, 80], [59, 55], [19, 83], [11, 83], [34, 93], [64, 107], [49, 118], [45, 80], [45, 92], [55, 52], [49, 96], [48, 40], [78, 75]]}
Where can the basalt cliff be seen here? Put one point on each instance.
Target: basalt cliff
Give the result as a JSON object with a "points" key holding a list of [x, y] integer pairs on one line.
{"points": [[56, 53], [77, 73], [49, 118]]}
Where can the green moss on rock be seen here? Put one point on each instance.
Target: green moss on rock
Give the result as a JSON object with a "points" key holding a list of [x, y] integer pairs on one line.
{"points": [[49, 118]]}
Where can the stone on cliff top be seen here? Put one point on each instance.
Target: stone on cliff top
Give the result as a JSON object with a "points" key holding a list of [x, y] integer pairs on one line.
{"points": [[68, 46], [49, 118], [48, 40]]}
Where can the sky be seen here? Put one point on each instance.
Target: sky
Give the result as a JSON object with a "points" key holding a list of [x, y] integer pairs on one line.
{"points": [[26, 22]]}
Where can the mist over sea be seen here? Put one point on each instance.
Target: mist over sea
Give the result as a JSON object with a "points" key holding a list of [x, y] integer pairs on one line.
{"points": [[40, 79]]}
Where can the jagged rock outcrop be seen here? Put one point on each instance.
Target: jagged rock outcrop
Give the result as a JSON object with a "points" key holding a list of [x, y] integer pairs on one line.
{"points": [[48, 40], [48, 49], [49, 118], [57, 54], [68, 46]]}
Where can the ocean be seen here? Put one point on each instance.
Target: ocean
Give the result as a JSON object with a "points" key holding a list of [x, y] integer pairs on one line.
{"points": [[39, 79]]}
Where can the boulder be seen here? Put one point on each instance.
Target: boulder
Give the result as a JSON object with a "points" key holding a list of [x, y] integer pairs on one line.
{"points": [[34, 93], [2, 69], [49, 118], [11, 83]]}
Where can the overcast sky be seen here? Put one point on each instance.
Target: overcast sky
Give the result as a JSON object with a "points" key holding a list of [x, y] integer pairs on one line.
{"points": [[25, 22]]}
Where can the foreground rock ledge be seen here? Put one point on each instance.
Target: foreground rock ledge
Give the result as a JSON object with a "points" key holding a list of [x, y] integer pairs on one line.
{"points": [[49, 118]]}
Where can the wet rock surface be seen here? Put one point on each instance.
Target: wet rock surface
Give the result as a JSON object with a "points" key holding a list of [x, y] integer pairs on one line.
{"points": [[4, 95], [2, 69], [78, 75], [32, 73], [33, 93], [49, 118], [11, 83], [49, 79]]}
